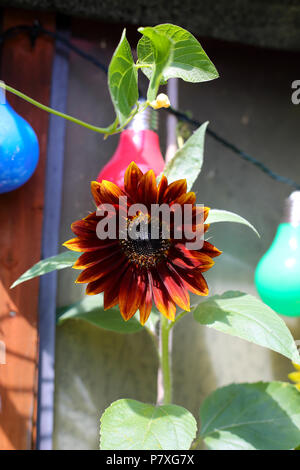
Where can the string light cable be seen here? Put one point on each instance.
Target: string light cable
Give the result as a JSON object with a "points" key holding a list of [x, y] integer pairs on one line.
{"points": [[36, 29]]}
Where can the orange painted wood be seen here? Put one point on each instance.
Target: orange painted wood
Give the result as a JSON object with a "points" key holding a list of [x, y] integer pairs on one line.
{"points": [[21, 215]]}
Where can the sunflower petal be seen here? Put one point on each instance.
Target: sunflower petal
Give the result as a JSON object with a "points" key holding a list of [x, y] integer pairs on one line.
{"points": [[200, 212], [84, 228], [130, 293], [174, 191], [178, 257], [110, 192], [204, 261], [104, 284], [162, 299], [194, 281], [78, 244], [189, 259], [103, 267], [162, 186], [90, 258], [91, 217], [210, 250], [132, 178], [147, 189], [111, 297], [187, 198], [146, 301], [98, 286], [95, 189], [174, 286], [189, 232], [111, 292]]}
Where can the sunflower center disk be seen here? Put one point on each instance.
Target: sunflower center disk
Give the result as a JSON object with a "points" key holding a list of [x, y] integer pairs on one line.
{"points": [[141, 248]]}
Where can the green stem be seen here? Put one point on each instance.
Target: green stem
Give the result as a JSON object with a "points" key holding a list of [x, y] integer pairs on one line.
{"points": [[143, 66], [164, 380], [166, 360], [196, 443], [102, 130], [110, 130]]}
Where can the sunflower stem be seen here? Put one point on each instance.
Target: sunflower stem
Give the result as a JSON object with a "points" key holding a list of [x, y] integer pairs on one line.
{"points": [[196, 443], [165, 357]]}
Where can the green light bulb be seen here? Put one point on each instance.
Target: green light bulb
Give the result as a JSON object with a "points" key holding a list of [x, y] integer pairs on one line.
{"points": [[277, 276]]}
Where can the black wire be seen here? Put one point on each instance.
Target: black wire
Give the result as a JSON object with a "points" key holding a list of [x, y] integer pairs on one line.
{"points": [[235, 149], [36, 29], [76, 49]]}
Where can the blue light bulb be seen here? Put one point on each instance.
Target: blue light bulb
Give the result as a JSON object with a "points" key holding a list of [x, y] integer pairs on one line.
{"points": [[19, 149]]}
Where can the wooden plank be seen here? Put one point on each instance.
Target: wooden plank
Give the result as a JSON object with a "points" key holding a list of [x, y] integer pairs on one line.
{"points": [[21, 214]]}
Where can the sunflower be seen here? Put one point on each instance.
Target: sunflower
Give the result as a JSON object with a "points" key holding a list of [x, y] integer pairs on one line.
{"points": [[295, 376], [136, 271]]}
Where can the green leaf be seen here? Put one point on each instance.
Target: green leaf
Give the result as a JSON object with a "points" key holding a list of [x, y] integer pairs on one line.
{"points": [[217, 215], [189, 61], [61, 261], [262, 416], [247, 317], [187, 161], [122, 80], [161, 49], [91, 309], [132, 425]]}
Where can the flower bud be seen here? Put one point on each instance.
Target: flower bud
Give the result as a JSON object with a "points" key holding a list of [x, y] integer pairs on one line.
{"points": [[162, 101]]}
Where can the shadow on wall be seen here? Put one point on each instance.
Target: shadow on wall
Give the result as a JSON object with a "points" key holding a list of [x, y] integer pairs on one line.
{"points": [[99, 368]]}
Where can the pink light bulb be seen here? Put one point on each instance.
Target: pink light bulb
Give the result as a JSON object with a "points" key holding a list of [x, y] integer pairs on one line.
{"points": [[138, 143]]}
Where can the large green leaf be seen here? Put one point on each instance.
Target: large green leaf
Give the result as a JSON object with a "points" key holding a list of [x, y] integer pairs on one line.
{"points": [[161, 49], [263, 416], [189, 61], [132, 425], [247, 317], [61, 261], [91, 309], [122, 80], [217, 215], [187, 161]]}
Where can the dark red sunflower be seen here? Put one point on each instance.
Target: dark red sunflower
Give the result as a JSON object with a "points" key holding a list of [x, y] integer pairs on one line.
{"points": [[134, 273]]}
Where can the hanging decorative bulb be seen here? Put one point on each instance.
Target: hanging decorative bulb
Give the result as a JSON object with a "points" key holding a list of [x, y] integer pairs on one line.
{"points": [[19, 148], [277, 275], [138, 143]]}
